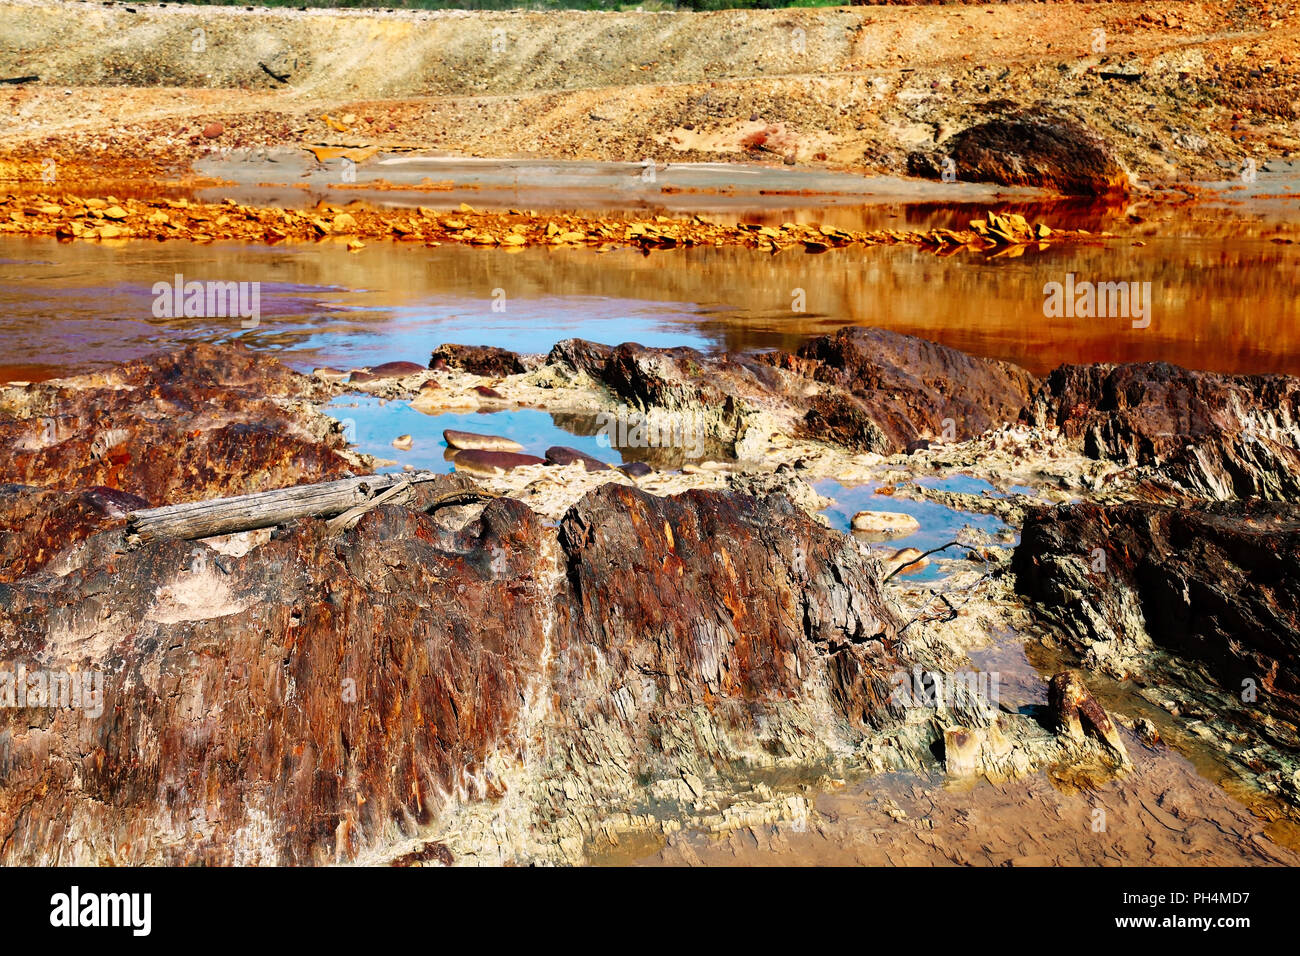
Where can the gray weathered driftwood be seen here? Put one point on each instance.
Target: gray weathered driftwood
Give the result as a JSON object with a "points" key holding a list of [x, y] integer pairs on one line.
{"points": [[266, 509]]}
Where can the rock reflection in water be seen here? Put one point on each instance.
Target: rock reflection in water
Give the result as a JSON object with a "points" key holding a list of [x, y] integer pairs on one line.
{"points": [[1223, 302]]}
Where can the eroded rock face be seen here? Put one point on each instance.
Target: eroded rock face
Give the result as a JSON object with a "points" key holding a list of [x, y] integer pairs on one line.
{"points": [[1029, 149], [203, 422], [39, 523], [908, 388], [306, 702], [700, 607], [1201, 433], [321, 698], [673, 378], [708, 403], [1214, 583], [864, 388]]}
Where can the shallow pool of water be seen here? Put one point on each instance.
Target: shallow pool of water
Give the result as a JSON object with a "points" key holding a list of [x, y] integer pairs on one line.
{"points": [[370, 425], [939, 523]]}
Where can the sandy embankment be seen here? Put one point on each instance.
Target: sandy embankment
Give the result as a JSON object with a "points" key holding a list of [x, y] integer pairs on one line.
{"points": [[1182, 90]]}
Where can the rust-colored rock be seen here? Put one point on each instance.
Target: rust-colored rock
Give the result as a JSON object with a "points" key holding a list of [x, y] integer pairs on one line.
{"points": [[477, 359], [386, 371], [315, 698], [202, 422], [1213, 583], [323, 697], [39, 523], [465, 441], [908, 387], [564, 455], [1203, 434], [683, 589], [484, 462], [1029, 149]]}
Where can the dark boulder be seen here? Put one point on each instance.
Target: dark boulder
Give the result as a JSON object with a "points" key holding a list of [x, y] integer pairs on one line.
{"points": [[1028, 149], [1213, 582], [477, 360], [909, 388], [564, 455]]}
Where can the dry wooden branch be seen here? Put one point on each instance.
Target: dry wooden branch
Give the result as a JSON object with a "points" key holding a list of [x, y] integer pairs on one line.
{"points": [[353, 515], [206, 519], [923, 554]]}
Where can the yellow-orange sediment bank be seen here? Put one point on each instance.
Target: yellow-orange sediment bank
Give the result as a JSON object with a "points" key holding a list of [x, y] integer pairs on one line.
{"points": [[68, 217]]}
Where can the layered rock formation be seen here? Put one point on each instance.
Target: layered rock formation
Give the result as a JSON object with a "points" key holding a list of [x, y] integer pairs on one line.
{"points": [[865, 389], [311, 697], [1145, 590], [306, 697], [202, 422], [909, 389], [1201, 434]]}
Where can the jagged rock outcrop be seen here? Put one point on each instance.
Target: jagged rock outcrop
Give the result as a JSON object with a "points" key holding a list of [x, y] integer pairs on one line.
{"points": [[1073, 711], [712, 400], [1202, 434], [298, 704], [321, 697], [907, 388], [205, 421], [724, 596], [864, 388], [1213, 583], [39, 523]]}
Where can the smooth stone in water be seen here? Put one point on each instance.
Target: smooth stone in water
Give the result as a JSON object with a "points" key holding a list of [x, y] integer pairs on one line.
{"points": [[891, 524], [908, 559], [397, 370], [493, 462], [475, 441], [564, 455], [403, 442], [635, 469]]}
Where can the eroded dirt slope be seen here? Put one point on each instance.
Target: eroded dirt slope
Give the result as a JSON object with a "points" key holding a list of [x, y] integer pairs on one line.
{"points": [[1179, 87]]}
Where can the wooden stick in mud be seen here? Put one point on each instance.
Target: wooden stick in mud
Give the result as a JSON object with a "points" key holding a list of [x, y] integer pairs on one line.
{"points": [[266, 509]]}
